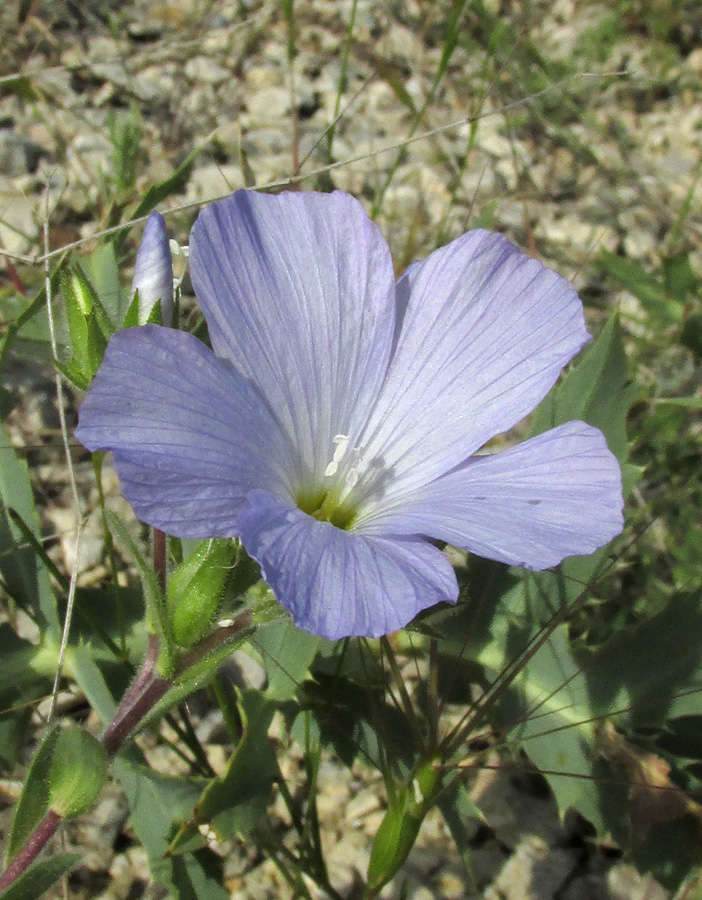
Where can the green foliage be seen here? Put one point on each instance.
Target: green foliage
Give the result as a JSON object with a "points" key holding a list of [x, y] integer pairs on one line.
{"points": [[125, 134], [157, 804], [597, 390], [287, 654], [89, 327], [156, 614], [24, 579], [34, 799], [39, 878], [101, 269], [233, 803]]}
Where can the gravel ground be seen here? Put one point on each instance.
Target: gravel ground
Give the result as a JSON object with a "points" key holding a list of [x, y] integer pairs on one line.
{"points": [[593, 163]]}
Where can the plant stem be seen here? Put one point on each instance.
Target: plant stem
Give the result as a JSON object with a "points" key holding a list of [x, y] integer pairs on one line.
{"points": [[31, 849], [122, 726], [143, 694]]}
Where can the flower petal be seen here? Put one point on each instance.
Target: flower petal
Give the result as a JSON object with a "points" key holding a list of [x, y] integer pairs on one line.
{"points": [[484, 333], [153, 271], [338, 584], [298, 292], [556, 495], [190, 437]]}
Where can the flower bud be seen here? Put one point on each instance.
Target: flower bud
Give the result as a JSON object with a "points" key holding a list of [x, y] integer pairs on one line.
{"points": [[77, 774], [153, 272], [196, 589]]}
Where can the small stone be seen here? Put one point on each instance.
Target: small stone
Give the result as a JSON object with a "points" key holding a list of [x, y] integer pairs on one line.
{"points": [[640, 244], [625, 883], [207, 71], [452, 886], [19, 225], [267, 104], [147, 30], [533, 870], [694, 60], [18, 155], [211, 181]]}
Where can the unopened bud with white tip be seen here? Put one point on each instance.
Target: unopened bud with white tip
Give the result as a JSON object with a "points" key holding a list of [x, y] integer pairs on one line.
{"points": [[153, 271]]}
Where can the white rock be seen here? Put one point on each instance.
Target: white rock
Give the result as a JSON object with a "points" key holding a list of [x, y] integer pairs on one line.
{"points": [[204, 69], [268, 104]]}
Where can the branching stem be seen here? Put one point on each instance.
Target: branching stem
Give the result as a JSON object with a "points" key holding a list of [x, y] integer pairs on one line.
{"points": [[142, 696]]}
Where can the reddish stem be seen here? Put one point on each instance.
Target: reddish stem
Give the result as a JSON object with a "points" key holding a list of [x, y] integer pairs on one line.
{"points": [[122, 726], [33, 846], [141, 697]]}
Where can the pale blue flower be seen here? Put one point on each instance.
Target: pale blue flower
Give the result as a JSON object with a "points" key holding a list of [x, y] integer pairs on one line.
{"points": [[153, 271], [334, 427]]}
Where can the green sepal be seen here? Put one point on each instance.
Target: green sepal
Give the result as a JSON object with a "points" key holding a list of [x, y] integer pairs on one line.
{"points": [[196, 589], [155, 316], [74, 373], [131, 319], [88, 326], [78, 771], [76, 282]]}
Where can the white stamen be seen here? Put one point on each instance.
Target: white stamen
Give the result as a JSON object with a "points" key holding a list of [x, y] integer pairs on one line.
{"points": [[342, 443]]}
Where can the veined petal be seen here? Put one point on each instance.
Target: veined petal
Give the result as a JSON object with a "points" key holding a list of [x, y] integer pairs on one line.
{"points": [[556, 495], [484, 333], [338, 584], [298, 292], [189, 436]]}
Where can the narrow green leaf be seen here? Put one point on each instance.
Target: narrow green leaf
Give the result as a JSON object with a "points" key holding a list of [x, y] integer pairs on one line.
{"points": [[92, 682], [174, 184], [131, 317], [37, 880], [649, 289], [24, 577], [36, 305], [198, 675], [458, 808], [685, 402], [75, 373], [678, 276]]}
